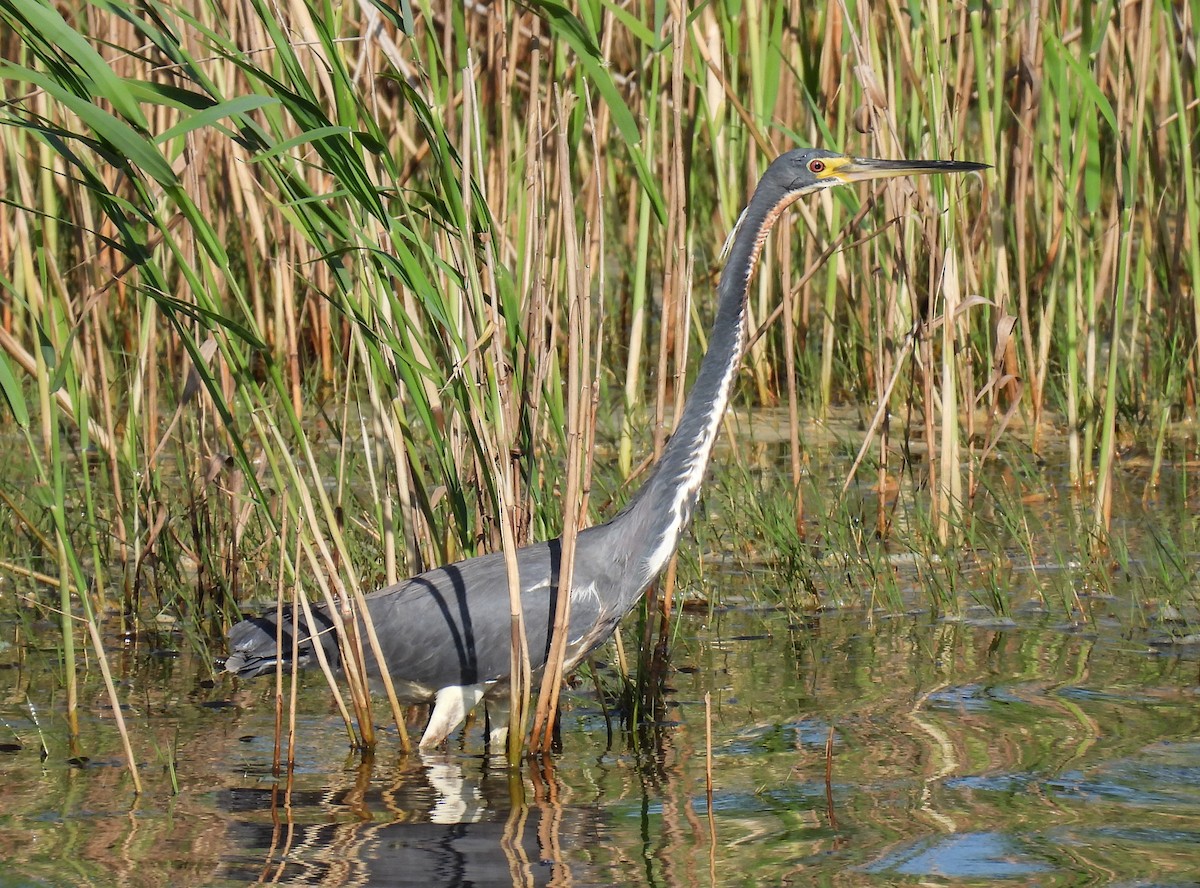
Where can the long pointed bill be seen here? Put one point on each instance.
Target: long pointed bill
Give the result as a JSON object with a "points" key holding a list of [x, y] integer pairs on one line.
{"points": [[860, 169]]}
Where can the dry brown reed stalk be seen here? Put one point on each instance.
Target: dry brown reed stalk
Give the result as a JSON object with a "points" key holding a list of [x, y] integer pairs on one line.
{"points": [[319, 650], [949, 516], [501, 442], [796, 457], [276, 754], [1023, 150], [829, 808], [487, 361], [677, 301], [520, 671], [118, 717], [349, 614], [297, 597], [110, 688], [708, 751], [1121, 294], [338, 606], [579, 442]]}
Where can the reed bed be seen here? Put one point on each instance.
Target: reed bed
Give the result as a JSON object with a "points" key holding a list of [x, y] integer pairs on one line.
{"points": [[312, 296]]}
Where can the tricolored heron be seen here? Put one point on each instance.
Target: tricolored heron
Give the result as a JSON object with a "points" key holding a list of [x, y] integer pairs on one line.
{"points": [[445, 634]]}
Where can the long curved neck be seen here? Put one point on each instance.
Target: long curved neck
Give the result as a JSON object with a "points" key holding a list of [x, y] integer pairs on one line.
{"points": [[663, 506]]}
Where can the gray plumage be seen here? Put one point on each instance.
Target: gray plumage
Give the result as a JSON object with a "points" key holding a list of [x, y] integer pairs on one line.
{"points": [[445, 634]]}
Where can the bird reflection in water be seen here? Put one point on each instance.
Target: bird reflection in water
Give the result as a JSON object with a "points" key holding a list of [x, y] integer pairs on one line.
{"points": [[433, 820], [615, 817]]}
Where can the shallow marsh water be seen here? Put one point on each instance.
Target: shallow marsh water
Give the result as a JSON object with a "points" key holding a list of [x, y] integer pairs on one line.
{"points": [[1034, 753], [1051, 738]]}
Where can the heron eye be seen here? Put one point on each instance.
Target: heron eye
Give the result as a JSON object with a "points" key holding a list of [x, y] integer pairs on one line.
{"points": [[816, 166]]}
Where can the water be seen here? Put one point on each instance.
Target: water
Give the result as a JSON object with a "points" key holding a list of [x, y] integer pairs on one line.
{"points": [[1028, 753], [1050, 735]]}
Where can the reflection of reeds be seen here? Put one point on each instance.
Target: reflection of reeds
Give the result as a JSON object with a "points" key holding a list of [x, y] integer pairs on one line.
{"points": [[582, 392]]}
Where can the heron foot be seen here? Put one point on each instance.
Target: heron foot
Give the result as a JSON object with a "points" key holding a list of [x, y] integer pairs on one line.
{"points": [[450, 708]]}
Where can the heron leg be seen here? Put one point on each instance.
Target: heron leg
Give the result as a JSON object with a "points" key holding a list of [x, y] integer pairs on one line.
{"points": [[498, 714], [449, 709]]}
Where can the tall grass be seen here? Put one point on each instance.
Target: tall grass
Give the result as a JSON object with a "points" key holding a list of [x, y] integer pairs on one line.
{"points": [[331, 269]]}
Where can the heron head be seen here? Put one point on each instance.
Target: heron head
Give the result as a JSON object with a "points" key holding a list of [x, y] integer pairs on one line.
{"points": [[804, 170]]}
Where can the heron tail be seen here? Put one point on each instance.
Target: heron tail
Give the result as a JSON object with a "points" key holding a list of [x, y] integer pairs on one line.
{"points": [[255, 648]]}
